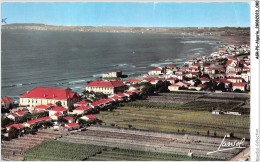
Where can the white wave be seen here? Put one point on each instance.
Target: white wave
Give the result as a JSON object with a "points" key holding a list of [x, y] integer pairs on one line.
{"points": [[160, 64], [196, 49], [20, 84], [76, 81], [97, 75], [206, 42]]}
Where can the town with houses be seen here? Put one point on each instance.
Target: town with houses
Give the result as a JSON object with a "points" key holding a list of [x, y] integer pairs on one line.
{"points": [[226, 70]]}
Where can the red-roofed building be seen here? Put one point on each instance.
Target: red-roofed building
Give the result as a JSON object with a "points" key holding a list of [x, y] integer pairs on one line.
{"points": [[38, 120], [172, 80], [174, 87], [17, 126], [232, 58], [240, 86], [204, 80], [69, 119], [6, 102], [13, 116], [71, 126], [156, 71], [88, 117], [57, 115], [149, 79], [235, 79], [22, 113], [210, 70], [117, 98], [82, 109], [80, 103], [56, 109], [42, 107], [133, 81], [43, 96], [170, 66], [106, 87]]}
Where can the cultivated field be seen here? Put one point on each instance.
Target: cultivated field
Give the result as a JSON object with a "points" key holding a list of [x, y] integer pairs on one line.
{"points": [[176, 144], [58, 150], [14, 149], [169, 119]]}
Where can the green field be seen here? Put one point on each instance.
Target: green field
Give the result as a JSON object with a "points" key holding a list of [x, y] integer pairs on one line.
{"points": [[63, 151], [172, 120], [194, 106]]}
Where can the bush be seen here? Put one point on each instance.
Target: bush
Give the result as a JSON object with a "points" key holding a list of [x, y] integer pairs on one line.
{"points": [[13, 133]]}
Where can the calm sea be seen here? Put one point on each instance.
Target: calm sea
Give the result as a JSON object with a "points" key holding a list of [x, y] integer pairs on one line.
{"points": [[64, 59]]}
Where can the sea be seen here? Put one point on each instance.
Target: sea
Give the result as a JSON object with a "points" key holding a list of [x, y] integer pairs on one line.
{"points": [[62, 59]]}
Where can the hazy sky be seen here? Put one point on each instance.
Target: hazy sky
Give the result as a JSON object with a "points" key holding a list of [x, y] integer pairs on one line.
{"points": [[129, 14]]}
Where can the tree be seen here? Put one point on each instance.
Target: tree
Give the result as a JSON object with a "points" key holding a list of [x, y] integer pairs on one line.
{"points": [[13, 133], [197, 82], [211, 86], [148, 89], [71, 108], [221, 86], [6, 121], [162, 86], [238, 90], [58, 103]]}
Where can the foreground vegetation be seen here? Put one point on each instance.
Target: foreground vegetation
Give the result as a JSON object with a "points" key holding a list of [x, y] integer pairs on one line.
{"points": [[178, 121], [60, 151], [56, 150], [194, 106]]}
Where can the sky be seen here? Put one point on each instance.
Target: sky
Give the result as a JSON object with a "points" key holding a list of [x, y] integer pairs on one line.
{"points": [[134, 14]]}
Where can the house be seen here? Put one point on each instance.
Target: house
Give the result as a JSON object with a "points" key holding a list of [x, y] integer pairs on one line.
{"points": [[80, 103], [43, 96], [81, 110], [56, 109], [57, 115], [106, 87], [117, 98], [17, 126], [185, 84], [210, 70], [191, 74], [38, 120], [69, 119], [235, 79], [42, 107], [128, 93], [13, 116], [240, 86], [113, 74], [6, 102], [71, 126], [225, 81], [88, 117], [22, 113], [179, 72], [156, 71], [204, 80], [200, 87], [172, 80], [174, 87], [132, 81]]}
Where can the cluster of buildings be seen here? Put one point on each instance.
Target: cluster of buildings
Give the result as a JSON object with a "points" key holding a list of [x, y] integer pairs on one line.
{"points": [[230, 66], [225, 66], [46, 99]]}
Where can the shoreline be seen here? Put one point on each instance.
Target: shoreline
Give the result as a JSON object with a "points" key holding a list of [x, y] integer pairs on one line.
{"points": [[229, 35]]}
